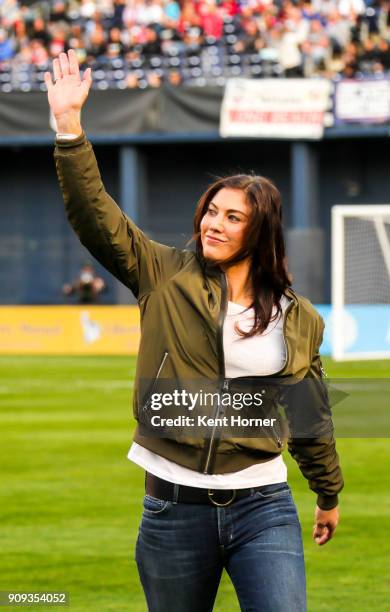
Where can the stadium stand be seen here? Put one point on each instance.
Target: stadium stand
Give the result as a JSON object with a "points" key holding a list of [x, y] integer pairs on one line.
{"points": [[144, 43]]}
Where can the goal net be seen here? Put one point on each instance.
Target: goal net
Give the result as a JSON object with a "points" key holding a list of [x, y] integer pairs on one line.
{"points": [[360, 319]]}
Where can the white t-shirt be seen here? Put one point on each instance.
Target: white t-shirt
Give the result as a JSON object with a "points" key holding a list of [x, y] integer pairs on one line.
{"points": [[259, 355]]}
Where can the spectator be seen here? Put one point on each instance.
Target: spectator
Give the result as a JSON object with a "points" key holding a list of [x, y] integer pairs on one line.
{"points": [[152, 45], [335, 65], [7, 50], [229, 8], [210, 19], [154, 79], [351, 8], [87, 287], [39, 55], [325, 7], [115, 45], [21, 36], [97, 45], [132, 80], [39, 32], [117, 19], [58, 43], [384, 19], [150, 12], [350, 61], [320, 45], [384, 54], [338, 30], [58, 11], [290, 55], [76, 42], [87, 9], [369, 56], [250, 41], [171, 12], [174, 78], [24, 55], [193, 41], [189, 16]]}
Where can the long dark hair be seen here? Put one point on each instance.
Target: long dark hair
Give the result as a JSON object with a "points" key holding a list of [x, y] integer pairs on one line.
{"points": [[263, 242]]}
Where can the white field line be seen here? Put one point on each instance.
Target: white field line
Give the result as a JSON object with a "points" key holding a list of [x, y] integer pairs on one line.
{"points": [[17, 386]]}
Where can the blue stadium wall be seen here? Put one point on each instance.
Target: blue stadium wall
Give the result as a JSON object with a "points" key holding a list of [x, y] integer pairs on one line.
{"points": [[39, 251]]}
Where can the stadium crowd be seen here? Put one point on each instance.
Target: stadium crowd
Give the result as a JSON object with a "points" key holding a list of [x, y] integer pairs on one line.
{"points": [[141, 43]]}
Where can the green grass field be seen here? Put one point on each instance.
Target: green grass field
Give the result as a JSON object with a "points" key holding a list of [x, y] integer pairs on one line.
{"points": [[71, 500]]}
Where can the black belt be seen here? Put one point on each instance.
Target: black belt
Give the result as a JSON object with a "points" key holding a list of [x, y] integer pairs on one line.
{"points": [[167, 491]]}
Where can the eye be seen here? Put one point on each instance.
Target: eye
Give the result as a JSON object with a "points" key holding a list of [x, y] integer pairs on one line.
{"points": [[234, 218], [211, 211]]}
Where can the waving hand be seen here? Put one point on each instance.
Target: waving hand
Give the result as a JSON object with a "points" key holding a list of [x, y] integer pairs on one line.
{"points": [[67, 92]]}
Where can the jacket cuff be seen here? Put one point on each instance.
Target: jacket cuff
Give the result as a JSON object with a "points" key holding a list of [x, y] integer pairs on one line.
{"points": [[327, 502], [75, 142]]}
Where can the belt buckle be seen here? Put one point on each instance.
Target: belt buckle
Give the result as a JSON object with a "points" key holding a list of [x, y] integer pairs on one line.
{"points": [[210, 493]]}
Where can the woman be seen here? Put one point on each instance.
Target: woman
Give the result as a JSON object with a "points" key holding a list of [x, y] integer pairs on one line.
{"points": [[224, 314]]}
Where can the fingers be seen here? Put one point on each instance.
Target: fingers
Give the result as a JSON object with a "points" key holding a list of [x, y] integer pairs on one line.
{"points": [[56, 69], [73, 63], [323, 533], [64, 63], [325, 524], [87, 78], [320, 534], [48, 80]]}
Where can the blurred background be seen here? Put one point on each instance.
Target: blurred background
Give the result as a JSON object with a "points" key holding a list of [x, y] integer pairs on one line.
{"points": [[160, 71], [161, 117]]}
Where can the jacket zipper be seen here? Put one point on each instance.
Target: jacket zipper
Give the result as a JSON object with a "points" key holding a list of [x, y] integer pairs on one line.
{"points": [[152, 388], [221, 365], [291, 304], [277, 437], [278, 440], [225, 382]]}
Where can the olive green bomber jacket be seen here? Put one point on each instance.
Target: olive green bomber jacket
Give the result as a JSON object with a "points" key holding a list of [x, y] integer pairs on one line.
{"points": [[182, 304]]}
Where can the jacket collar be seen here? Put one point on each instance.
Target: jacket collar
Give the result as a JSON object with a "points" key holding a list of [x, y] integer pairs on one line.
{"points": [[209, 269], [292, 295]]}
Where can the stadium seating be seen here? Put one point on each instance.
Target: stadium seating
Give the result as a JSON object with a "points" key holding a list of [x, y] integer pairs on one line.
{"points": [[199, 46]]}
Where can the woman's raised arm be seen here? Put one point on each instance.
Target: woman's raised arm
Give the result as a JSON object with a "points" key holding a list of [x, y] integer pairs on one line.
{"points": [[110, 236]]}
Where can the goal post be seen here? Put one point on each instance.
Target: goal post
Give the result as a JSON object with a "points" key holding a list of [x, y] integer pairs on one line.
{"points": [[360, 318]]}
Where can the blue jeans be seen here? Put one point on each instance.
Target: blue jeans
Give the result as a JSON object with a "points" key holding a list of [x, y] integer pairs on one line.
{"points": [[182, 549]]}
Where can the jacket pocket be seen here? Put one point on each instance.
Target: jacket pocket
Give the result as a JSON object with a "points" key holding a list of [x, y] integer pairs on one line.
{"points": [[146, 404], [277, 431]]}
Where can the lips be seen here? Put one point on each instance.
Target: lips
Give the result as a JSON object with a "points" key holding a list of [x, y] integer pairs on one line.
{"points": [[213, 239]]}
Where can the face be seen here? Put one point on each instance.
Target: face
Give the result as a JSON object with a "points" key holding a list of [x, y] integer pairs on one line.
{"points": [[223, 226]]}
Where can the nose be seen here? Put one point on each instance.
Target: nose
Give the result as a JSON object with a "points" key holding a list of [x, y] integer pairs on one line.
{"points": [[217, 224]]}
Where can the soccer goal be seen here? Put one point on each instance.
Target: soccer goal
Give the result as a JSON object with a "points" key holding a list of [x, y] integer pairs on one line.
{"points": [[360, 319]]}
